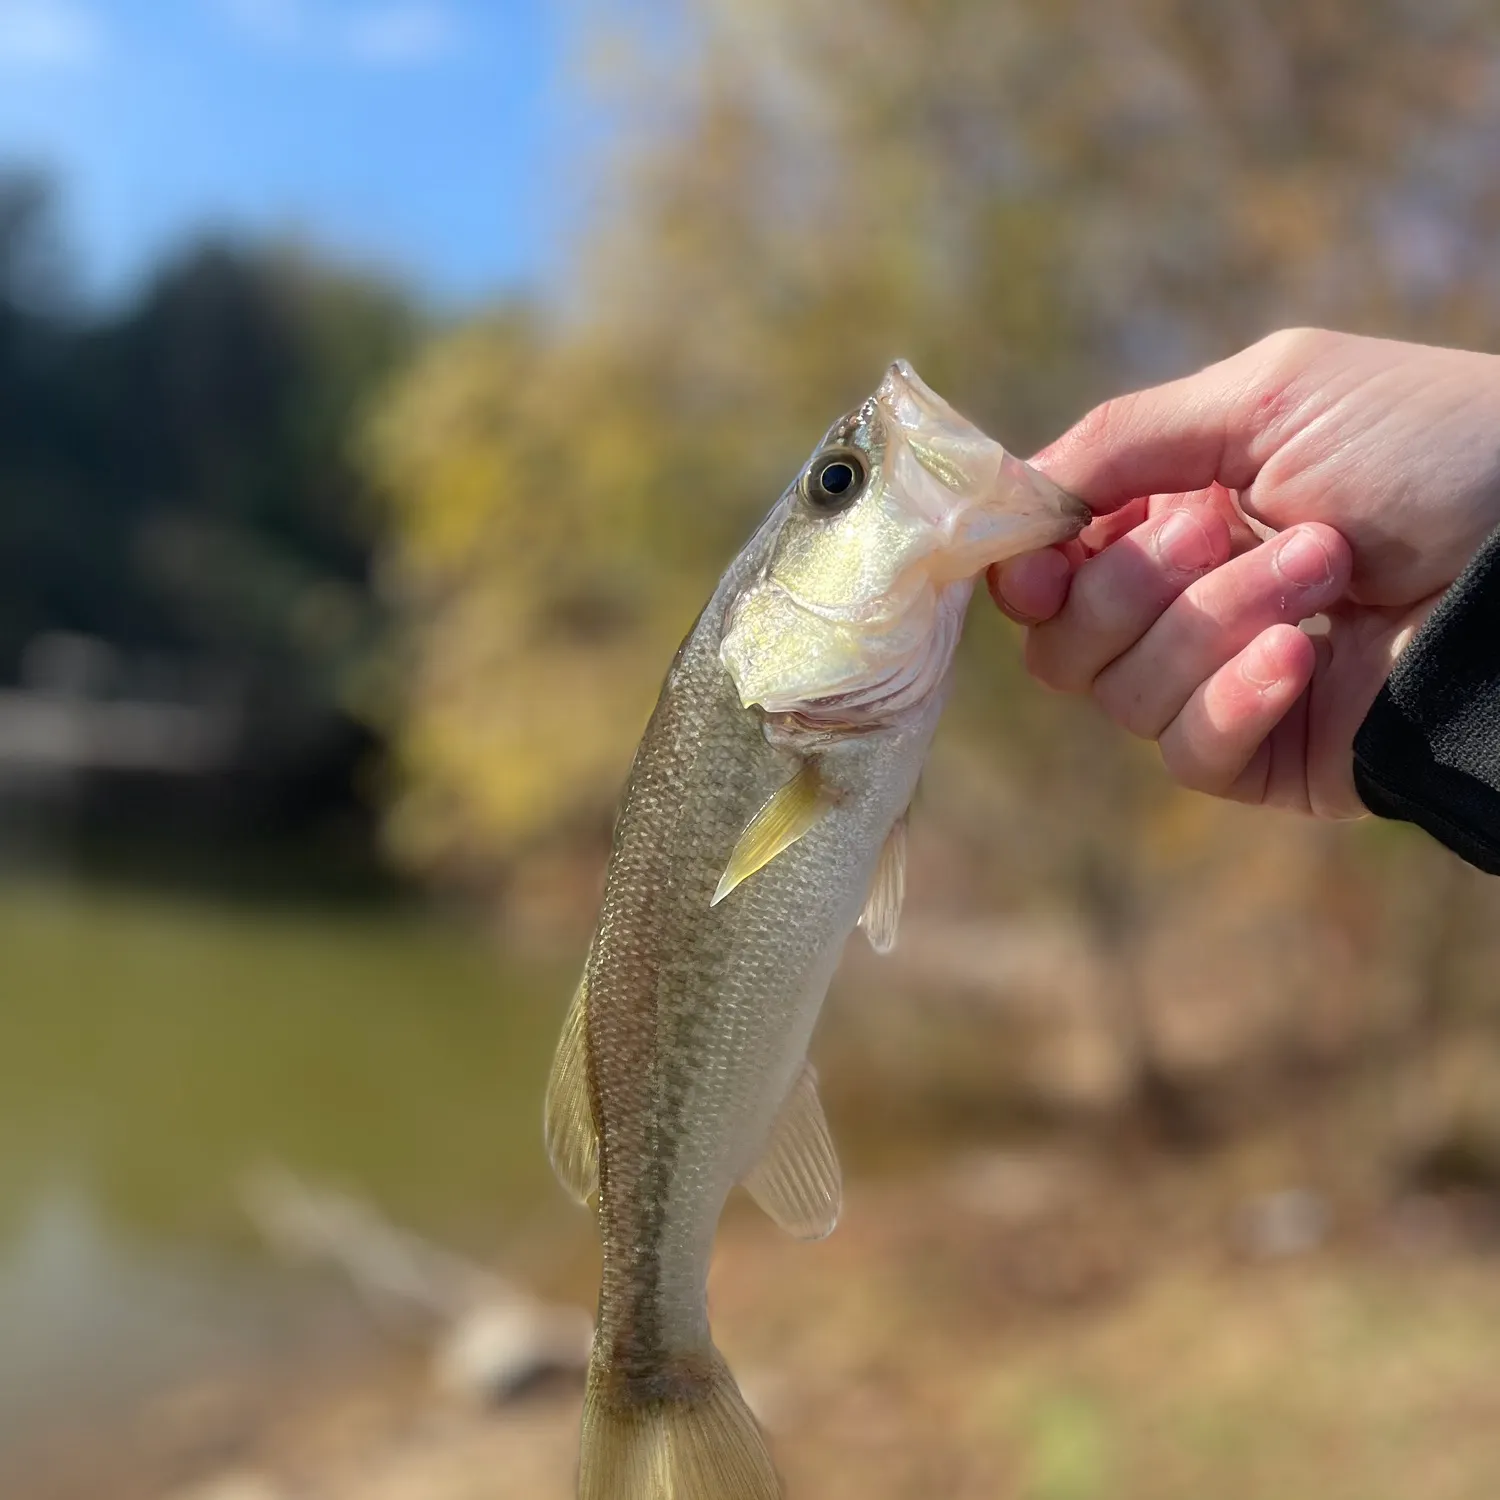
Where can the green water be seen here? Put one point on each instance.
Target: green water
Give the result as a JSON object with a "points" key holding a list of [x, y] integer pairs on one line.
{"points": [[155, 1046]]}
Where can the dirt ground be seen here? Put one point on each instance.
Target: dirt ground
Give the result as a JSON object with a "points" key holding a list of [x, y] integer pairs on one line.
{"points": [[1038, 1325]]}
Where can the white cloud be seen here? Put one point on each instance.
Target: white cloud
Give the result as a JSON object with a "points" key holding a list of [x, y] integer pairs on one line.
{"points": [[49, 34], [392, 34], [400, 35]]}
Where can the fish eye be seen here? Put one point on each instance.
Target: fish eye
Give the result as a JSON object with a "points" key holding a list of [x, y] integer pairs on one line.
{"points": [[835, 479]]}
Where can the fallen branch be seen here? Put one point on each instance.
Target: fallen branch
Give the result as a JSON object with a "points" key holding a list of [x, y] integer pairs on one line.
{"points": [[493, 1338]]}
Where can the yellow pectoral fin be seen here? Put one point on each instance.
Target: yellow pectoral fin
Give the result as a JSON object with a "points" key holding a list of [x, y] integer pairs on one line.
{"points": [[572, 1143], [790, 813]]}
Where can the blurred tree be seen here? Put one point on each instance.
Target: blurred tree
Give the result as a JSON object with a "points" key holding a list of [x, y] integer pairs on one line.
{"points": [[31, 264], [182, 476], [32, 424], [1038, 203], [231, 396]]}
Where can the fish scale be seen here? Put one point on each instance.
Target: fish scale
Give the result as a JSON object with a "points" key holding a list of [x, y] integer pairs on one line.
{"points": [[783, 751]]}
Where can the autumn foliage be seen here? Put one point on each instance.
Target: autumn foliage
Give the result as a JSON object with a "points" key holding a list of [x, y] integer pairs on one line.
{"points": [[1038, 203]]}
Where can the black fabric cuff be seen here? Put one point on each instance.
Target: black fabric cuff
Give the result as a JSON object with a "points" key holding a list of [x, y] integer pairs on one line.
{"points": [[1428, 751]]}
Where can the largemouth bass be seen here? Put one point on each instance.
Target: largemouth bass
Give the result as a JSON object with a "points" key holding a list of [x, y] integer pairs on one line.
{"points": [[763, 819]]}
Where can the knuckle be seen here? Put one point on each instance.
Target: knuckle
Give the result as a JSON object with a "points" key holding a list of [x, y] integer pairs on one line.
{"points": [[1106, 598], [1292, 346], [1119, 595], [1126, 703], [1100, 422], [1276, 360], [1101, 430], [1049, 662]]}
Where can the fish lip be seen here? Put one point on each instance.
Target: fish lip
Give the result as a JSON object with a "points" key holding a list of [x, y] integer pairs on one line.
{"points": [[1077, 512], [909, 405], [1073, 513], [1072, 509], [900, 376], [1029, 512]]}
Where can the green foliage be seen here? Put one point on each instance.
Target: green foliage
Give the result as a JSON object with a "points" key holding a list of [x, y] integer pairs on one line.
{"points": [[181, 477]]}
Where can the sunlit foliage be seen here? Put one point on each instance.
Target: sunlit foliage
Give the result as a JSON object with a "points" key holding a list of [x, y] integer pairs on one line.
{"points": [[1036, 202]]}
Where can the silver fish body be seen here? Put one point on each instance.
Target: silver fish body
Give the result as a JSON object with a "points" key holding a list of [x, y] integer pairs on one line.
{"points": [[750, 841], [699, 1016]]}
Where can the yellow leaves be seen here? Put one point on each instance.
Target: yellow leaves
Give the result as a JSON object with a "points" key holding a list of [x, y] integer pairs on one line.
{"points": [[530, 483], [564, 495], [1039, 202], [498, 765], [439, 446]]}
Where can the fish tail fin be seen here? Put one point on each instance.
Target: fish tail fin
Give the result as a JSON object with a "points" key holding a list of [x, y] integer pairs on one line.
{"points": [[693, 1438]]}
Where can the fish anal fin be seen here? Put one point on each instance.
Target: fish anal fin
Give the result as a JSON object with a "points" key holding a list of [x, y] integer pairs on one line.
{"points": [[572, 1142], [797, 1179], [789, 813], [882, 913]]}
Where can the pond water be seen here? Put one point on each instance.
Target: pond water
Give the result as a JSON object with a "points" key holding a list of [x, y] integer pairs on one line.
{"points": [[157, 1046]]}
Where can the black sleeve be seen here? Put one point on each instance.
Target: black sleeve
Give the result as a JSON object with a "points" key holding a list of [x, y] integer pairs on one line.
{"points": [[1428, 751]]}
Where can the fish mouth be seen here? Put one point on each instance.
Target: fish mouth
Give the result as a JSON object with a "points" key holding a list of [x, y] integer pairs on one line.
{"points": [[1023, 511], [992, 505], [950, 502], [913, 404]]}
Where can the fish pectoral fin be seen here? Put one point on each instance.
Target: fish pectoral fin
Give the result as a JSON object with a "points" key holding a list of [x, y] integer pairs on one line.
{"points": [[789, 813], [572, 1142], [797, 1179], [882, 911]]}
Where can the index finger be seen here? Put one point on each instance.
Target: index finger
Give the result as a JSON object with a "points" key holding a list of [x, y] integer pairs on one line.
{"points": [[1218, 426]]}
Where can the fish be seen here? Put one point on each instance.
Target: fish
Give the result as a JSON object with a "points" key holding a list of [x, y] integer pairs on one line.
{"points": [[763, 819]]}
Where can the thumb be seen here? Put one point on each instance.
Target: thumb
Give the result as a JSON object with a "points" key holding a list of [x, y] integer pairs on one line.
{"points": [[1217, 426]]}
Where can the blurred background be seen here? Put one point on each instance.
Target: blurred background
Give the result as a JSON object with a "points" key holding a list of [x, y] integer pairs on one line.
{"points": [[383, 384]]}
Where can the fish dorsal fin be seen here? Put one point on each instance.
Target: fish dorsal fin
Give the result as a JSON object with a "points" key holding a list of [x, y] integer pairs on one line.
{"points": [[797, 1179], [882, 910], [572, 1142], [791, 810]]}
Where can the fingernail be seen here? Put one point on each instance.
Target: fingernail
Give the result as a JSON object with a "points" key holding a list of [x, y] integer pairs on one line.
{"points": [[1183, 543], [1046, 566], [1260, 671], [1302, 559]]}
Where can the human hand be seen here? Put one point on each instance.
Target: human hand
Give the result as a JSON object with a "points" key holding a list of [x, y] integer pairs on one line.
{"points": [[1379, 464]]}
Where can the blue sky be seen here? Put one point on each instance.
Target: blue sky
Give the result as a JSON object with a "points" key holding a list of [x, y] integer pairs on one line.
{"points": [[435, 137]]}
